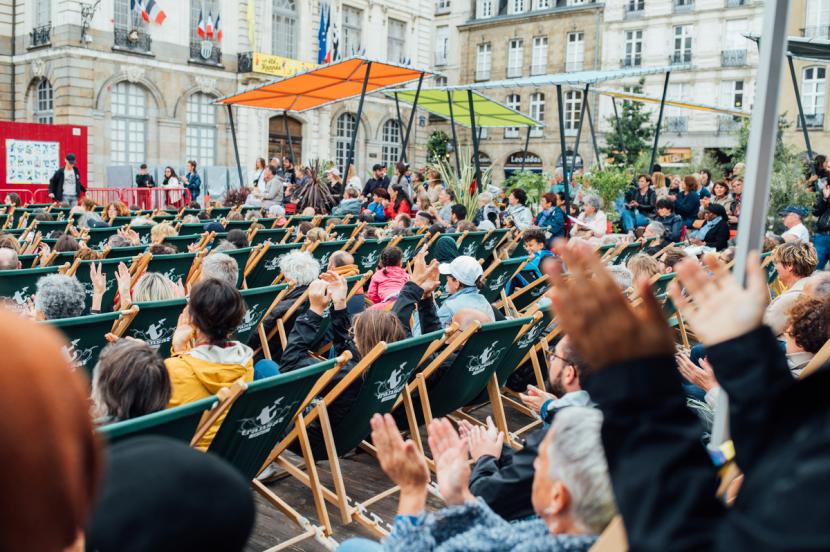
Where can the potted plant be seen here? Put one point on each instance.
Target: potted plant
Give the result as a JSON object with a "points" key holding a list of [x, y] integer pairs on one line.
{"points": [[462, 185], [608, 184]]}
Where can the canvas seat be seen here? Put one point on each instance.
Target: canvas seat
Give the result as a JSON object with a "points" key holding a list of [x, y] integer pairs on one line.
{"points": [[409, 246], [322, 251], [469, 243], [178, 423], [338, 232], [87, 335], [366, 253], [19, 284], [259, 302], [499, 274], [176, 266], [154, 323], [182, 242], [109, 267], [263, 268], [274, 235], [97, 238]]}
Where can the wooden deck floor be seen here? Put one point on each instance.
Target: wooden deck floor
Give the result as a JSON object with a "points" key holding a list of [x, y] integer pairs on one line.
{"points": [[363, 478]]}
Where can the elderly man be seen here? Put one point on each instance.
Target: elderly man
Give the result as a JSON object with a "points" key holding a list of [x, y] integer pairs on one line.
{"points": [[572, 497], [59, 296], [8, 259], [794, 262], [793, 220], [220, 266]]}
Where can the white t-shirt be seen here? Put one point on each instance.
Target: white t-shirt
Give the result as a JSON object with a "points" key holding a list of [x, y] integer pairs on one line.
{"points": [[799, 232], [69, 187]]}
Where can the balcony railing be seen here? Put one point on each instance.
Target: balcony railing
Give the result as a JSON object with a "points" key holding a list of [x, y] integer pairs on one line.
{"points": [[206, 52], [733, 58], [574, 66], [679, 58], [727, 123], [814, 120], [631, 61], [244, 62], [482, 74], [133, 40], [514, 72], [683, 6], [736, 3], [440, 59], [816, 31], [634, 12], [538, 69], [677, 124], [40, 36]]}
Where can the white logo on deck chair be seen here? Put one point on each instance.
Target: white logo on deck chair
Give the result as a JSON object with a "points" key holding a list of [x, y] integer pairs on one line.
{"points": [[391, 388], [470, 250], [20, 296], [487, 358], [489, 244], [79, 356], [498, 282], [268, 417], [371, 259], [531, 336], [172, 275], [324, 260], [156, 334], [89, 290], [251, 318], [272, 265]]}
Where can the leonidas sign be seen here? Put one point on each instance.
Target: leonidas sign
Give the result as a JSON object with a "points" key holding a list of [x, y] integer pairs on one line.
{"points": [[527, 159]]}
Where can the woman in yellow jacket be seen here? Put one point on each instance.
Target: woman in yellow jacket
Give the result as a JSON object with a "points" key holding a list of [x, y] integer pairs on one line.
{"points": [[204, 359]]}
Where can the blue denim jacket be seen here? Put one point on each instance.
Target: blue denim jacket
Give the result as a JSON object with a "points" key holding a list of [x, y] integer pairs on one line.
{"points": [[552, 220], [465, 298], [194, 184]]}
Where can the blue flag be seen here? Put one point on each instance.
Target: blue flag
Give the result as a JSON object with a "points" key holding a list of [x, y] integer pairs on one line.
{"points": [[321, 36]]}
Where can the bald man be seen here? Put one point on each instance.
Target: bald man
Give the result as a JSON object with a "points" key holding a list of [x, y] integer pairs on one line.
{"points": [[9, 259], [467, 317]]}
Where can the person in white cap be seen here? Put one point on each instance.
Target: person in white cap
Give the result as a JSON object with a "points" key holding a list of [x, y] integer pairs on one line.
{"points": [[335, 182], [463, 280]]}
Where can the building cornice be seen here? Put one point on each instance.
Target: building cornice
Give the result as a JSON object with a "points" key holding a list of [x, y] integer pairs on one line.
{"points": [[529, 17]]}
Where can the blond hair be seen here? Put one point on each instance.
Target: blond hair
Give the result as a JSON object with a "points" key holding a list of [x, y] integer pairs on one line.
{"points": [[643, 265], [799, 256], [161, 231]]}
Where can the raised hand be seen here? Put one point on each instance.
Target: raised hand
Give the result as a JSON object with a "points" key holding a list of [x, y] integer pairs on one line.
{"points": [[535, 398], [451, 468], [124, 281], [716, 306], [318, 296], [703, 376], [593, 311], [338, 289], [485, 441], [402, 462], [98, 279]]}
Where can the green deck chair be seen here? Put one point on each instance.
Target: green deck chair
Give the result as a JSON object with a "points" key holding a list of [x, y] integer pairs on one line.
{"points": [[241, 257], [295, 220], [409, 246], [219, 212], [475, 363], [181, 242], [324, 250], [174, 266], [342, 231], [498, 275], [86, 337], [267, 269], [143, 232], [48, 226], [238, 225], [120, 221], [628, 251], [109, 267], [523, 298], [470, 244], [19, 285], [660, 285], [258, 301], [367, 254], [28, 261], [98, 237], [155, 323], [127, 252], [493, 239], [192, 228], [258, 420], [275, 235], [178, 423], [431, 253]]}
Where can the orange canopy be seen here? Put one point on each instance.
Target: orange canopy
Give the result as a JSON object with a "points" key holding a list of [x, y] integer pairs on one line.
{"points": [[326, 84]]}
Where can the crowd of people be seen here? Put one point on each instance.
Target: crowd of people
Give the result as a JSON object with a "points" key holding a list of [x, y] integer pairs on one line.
{"points": [[652, 346]]}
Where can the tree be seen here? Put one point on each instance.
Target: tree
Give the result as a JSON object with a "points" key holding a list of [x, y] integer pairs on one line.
{"points": [[634, 133], [437, 146]]}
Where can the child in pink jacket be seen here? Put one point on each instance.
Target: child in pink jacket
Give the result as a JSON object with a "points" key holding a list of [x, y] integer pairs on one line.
{"points": [[389, 279]]}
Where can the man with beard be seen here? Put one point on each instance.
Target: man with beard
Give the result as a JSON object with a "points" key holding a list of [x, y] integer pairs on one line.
{"points": [[502, 477]]}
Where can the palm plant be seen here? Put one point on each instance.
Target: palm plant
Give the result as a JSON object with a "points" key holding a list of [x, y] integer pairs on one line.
{"points": [[314, 191], [461, 184]]}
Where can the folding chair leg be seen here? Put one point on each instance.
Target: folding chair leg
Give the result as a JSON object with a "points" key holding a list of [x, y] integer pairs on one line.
{"points": [[263, 340], [537, 369], [409, 407], [309, 530], [334, 465], [314, 479], [682, 327]]}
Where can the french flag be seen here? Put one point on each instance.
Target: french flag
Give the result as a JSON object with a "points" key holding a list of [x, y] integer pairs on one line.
{"points": [[218, 28], [200, 30], [151, 11], [210, 25]]}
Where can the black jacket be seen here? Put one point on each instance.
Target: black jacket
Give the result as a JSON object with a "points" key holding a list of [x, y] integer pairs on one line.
{"points": [[718, 237], [674, 226], [505, 483], [145, 181], [274, 344], [374, 183], [663, 479], [56, 184], [647, 202], [822, 212]]}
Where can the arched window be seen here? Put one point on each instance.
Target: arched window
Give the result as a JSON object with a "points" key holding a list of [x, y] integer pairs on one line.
{"points": [[128, 128], [813, 88], [346, 128], [44, 108], [390, 150], [284, 31], [201, 129]]}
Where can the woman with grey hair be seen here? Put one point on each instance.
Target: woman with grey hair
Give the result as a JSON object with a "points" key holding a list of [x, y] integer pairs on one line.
{"points": [[572, 494], [301, 268], [592, 224], [59, 296]]}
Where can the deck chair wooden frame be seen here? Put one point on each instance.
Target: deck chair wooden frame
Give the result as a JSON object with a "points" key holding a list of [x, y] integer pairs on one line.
{"points": [[543, 283], [260, 329]]}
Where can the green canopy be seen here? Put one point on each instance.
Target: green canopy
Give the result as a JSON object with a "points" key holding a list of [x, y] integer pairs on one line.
{"points": [[489, 112]]}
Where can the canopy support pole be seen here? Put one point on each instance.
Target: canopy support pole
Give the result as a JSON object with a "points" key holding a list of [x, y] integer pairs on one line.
{"points": [[400, 119], [659, 123], [475, 138], [565, 174], [288, 134], [593, 135], [801, 115], [350, 156], [411, 119], [235, 146], [763, 133], [527, 145], [454, 137], [579, 128], [619, 126]]}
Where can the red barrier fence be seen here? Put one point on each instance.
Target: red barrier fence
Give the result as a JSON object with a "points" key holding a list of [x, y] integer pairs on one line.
{"points": [[144, 198], [26, 196]]}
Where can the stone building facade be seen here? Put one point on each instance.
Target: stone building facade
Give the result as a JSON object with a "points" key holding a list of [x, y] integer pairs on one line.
{"points": [[146, 90]]}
